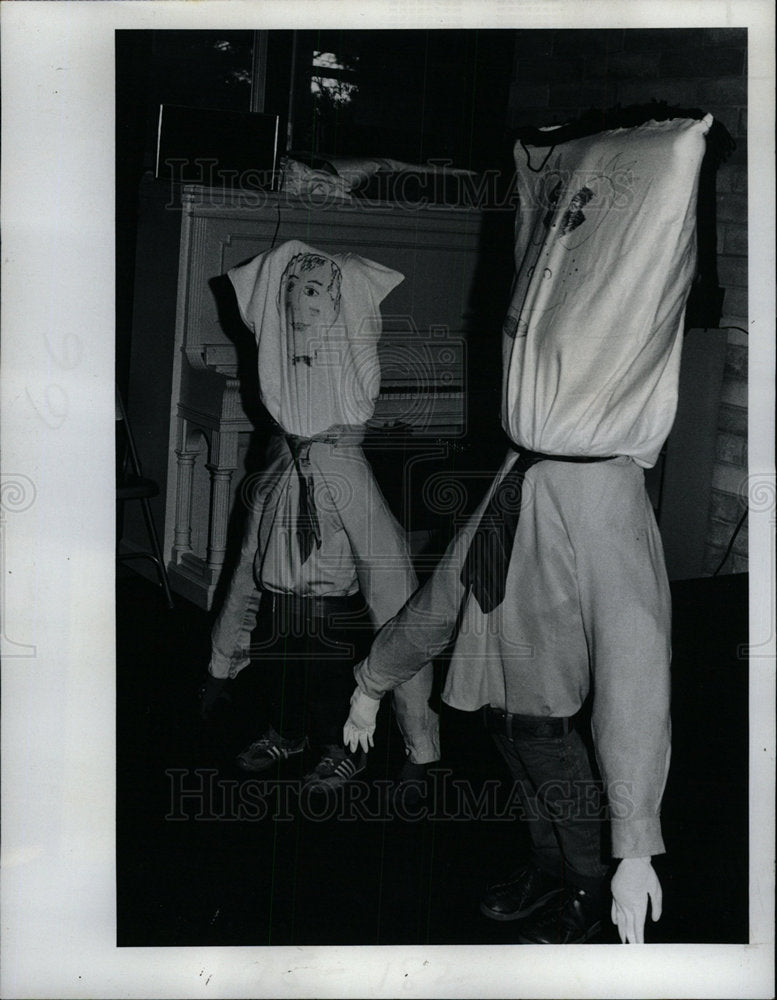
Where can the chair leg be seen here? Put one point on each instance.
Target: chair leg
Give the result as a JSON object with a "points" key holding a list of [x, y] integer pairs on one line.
{"points": [[157, 551]]}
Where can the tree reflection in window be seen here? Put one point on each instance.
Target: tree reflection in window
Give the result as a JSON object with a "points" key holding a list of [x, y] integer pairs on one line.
{"points": [[336, 88]]}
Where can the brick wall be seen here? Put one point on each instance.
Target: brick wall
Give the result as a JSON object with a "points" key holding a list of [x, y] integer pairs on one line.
{"points": [[560, 73]]}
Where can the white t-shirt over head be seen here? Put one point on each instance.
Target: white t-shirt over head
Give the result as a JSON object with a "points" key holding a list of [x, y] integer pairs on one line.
{"points": [[605, 253], [317, 322]]}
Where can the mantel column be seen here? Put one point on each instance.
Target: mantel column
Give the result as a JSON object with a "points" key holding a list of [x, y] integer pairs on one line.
{"points": [[219, 517], [182, 542]]}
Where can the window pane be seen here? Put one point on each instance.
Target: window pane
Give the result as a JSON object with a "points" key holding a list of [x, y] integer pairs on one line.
{"points": [[411, 95], [200, 69], [204, 69]]}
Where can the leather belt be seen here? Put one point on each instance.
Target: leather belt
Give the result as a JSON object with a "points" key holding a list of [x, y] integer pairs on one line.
{"points": [[291, 607], [525, 727]]}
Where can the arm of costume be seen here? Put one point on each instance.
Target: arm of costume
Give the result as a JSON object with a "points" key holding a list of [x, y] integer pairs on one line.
{"points": [[236, 620], [422, 629], [625, 604]]}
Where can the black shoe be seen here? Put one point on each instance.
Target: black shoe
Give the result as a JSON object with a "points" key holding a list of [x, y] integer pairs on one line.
{"points": [[336, 768], [214, 695], [268, 750], [413, 772], [409, 792], [573, 917], [519, 895]]}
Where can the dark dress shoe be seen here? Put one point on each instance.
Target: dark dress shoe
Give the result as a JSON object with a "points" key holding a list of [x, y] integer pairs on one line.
{"points": [[407, 798], [572, 917], [519, 895]]}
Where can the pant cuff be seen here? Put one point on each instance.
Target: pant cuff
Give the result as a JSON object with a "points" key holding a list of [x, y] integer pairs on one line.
{"points": [[594, 885], [225, 666], [426, 754]]}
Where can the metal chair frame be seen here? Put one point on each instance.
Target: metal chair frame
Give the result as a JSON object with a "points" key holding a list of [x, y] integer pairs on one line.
{"points": [[136, 486]]}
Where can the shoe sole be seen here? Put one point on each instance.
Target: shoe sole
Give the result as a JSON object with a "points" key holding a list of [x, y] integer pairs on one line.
{"points": [[495, 915], [591, 932]]}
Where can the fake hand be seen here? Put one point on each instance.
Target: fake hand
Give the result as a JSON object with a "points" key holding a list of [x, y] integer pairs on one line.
{"points": [[633, 883], [360, 724]]}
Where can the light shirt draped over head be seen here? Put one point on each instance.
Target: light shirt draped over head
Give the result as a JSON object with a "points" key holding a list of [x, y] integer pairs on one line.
{"points": [[316, 319], [605, 252], [323, 528]]}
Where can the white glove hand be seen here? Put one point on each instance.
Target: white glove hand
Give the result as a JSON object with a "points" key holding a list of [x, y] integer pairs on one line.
{"points": [[360, 724], [633, 882]]}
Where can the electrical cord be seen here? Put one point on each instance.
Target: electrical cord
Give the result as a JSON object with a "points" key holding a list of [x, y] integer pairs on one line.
{"points": [[277, 227], [722, 562], [278, 207], [541, 167]]}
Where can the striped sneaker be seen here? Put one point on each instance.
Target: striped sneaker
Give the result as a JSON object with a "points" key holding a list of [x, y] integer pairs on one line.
{"points": [[270, 749], [335, 768]]}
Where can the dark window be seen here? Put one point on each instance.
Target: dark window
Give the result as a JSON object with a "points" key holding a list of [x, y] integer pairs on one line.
{"points": [[411, 95], [407, 94]]}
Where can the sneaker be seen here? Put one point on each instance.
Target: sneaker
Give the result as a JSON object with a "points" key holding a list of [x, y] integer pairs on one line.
{"points": [[270, 749], [335, 768], [519, 895], [572, 917], [214, 695], [417, 773]]}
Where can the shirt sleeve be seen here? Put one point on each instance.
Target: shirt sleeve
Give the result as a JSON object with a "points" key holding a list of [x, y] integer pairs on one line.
{"points": [[625, 604], [429, 620], [420, 631]]}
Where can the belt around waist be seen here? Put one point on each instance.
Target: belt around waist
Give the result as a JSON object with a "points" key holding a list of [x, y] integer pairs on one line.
{"points": [[540, 456], [293, 606], [525, 727]]}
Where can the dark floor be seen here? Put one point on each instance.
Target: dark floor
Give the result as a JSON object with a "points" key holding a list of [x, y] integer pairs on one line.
{"points": [[239, 864]]}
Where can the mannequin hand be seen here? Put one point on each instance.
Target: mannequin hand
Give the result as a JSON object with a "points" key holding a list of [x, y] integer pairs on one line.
{"points": [[360, 725], [633, 882]]}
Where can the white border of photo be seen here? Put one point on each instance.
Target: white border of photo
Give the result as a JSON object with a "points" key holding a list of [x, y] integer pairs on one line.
{"points": [[58, 731]]}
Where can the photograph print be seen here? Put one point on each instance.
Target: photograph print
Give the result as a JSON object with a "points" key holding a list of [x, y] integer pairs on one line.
{"points": [[432, 471]]}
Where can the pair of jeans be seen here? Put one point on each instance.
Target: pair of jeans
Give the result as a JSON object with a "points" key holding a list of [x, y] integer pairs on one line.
{"points": [[380, 555], [308, 664], [561, 801]]}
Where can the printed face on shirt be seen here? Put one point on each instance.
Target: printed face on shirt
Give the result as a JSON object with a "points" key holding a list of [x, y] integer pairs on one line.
{"points": [[312, 293]]}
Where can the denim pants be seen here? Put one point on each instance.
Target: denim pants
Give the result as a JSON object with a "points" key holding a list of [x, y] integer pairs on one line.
{"points": [[562, 804], [232, 644], [308, 663]]}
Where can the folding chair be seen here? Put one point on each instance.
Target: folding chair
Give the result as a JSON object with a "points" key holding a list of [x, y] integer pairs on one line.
{"points": [[131, 484]]}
